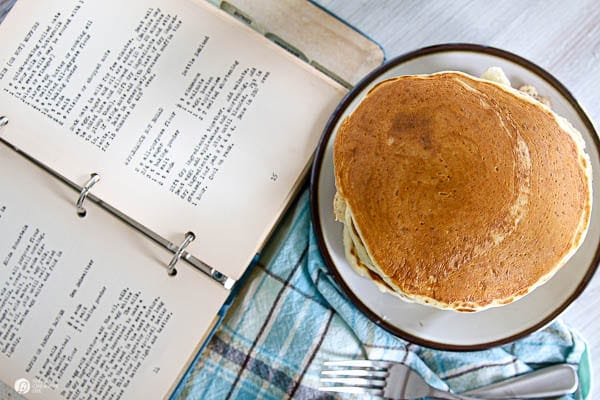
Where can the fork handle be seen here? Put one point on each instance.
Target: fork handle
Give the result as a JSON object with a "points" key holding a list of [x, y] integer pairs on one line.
{"points": [[551, 381]]}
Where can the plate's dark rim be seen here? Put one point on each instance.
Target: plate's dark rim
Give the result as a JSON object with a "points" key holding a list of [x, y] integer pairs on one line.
{"points": [[318, 162]]}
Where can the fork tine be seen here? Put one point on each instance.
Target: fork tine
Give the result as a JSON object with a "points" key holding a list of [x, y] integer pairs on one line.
{"points": [[356, 372], [351, 389], [362, 376], [358, 363], [356, 381]]}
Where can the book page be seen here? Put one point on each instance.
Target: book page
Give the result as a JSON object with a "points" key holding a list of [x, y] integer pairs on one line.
{"points": [[193, 121], [87, 309]]}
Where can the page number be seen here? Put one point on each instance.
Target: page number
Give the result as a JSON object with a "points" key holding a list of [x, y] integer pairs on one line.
{"points": [[156, 370], [274, 176]]}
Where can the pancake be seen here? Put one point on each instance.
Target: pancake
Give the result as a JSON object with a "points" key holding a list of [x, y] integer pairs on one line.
{"points": [[459, 192]]}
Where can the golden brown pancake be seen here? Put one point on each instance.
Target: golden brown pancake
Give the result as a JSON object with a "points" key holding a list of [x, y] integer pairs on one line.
{"points": [[458, 192]]}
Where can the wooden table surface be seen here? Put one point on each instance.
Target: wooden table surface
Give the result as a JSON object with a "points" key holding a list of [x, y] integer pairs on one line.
{"points": [[561, 37]]}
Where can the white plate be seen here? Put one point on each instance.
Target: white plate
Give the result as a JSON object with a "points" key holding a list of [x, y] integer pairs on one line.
{"points": [[422, 324]]}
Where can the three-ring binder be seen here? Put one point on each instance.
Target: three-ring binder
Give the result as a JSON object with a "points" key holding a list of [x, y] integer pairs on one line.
{"points": [[213, 273], [94, 178], [189, 238]]}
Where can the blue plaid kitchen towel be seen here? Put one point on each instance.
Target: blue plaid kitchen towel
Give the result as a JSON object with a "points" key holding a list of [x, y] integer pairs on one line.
{"points": [[290, 316]]}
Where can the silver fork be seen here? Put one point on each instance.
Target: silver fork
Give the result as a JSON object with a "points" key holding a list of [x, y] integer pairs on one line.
{"points": [[399, 382]]}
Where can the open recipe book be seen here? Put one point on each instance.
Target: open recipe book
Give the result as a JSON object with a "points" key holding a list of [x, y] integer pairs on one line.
{"points": [[197, 127]]}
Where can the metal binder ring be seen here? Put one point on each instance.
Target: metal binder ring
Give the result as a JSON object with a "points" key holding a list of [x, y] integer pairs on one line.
{"points": [[81, 211], [3, 121], [189, 238]]}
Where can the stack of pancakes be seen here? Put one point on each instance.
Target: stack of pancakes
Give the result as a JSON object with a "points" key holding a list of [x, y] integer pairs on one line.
{"points": [[458, 192]]}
